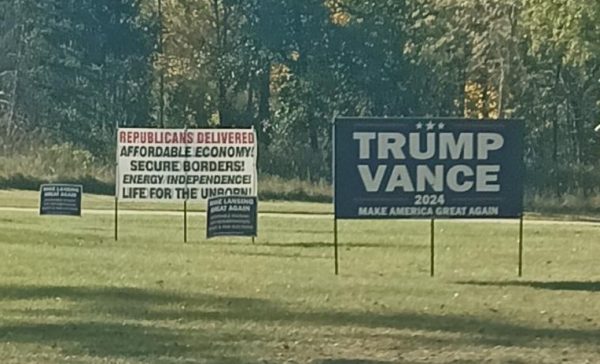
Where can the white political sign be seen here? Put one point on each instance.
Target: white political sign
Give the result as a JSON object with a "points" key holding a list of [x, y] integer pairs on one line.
{"points": [[185, 164]]}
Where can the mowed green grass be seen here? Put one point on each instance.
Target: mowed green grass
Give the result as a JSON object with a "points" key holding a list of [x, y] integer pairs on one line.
{"points": [[70, 294]]}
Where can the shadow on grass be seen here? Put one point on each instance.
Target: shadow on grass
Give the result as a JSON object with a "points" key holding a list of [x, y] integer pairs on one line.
{"points": [[342, 245], [399, 361], [277, 255], [294, 230], [112, 322], [350, 361], [473, 330], [108, 340], [311, 245], [584, 286]]}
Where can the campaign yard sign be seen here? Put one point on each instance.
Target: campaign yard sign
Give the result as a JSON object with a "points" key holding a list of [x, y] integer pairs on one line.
{"points": [[60, 199], [394, 168], [231, 216], [185, 164]]}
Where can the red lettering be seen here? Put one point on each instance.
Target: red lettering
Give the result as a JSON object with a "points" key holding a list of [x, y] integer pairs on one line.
{"points": [[186, 137]]}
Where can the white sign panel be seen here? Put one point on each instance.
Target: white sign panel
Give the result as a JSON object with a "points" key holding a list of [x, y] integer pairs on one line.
{"points": [[185, 164]]}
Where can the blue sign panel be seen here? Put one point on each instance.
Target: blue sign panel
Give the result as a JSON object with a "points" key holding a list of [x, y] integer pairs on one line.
{"points": [[231, 216], [60, 199], [397, 168]]}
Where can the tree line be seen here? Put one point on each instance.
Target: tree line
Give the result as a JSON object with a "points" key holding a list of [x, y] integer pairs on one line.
{"points": [[70, 70]]}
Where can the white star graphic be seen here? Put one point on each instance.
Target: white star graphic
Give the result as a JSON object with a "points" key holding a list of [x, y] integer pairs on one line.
{"points": [[441, 126], [419, 126], [430, 125]]}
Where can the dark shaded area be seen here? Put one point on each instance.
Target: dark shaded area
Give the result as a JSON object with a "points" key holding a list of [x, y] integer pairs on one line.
{"points": [[296, 195], [125, 332], [342, 245], [130, 331], [97, 338], [399, 361], [313, 245], [90, 184], [295, 230], [278, 255], [480, 331], [96, 186], [585, 286], [353, 361]]}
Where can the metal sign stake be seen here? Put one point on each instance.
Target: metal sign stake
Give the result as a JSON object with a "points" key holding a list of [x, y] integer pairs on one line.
{"points": [[521, 246], [335, 244], [185, 220], [432, 245], [116, 218]]}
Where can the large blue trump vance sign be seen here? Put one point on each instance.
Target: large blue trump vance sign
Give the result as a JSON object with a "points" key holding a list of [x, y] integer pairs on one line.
{"points": [[394, 168]]}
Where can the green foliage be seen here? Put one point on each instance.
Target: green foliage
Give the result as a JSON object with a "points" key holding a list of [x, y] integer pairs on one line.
{"points": [[272, 188], [76, 69], [63, 163], [571, 204], [54, 163], [73, 69]]}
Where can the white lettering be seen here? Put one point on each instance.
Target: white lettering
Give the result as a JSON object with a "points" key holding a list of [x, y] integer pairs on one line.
{"points": [[487, 178], [415, 146], [364, 144], [371, 182], [391, 143], [452, 148], [400, 179], [453, 178], [488, 142], [425, 176]]}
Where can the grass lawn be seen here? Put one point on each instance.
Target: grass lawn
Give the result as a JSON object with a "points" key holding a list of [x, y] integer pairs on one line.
{"points": [[70, 294]]}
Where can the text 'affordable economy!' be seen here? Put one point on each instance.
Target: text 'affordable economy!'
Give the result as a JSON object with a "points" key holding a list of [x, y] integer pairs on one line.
{"points": [[185, 164]]}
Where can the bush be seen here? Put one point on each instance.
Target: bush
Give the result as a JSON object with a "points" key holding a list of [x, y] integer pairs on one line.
{"points": [[66, 164], [57, 163], [567, 204], [277, 188]]}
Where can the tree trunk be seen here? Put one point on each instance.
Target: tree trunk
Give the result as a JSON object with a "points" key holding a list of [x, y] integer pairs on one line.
{"points": [[264, 106], [221, 30], [555, 168], [161, 91], [14, 104]]}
